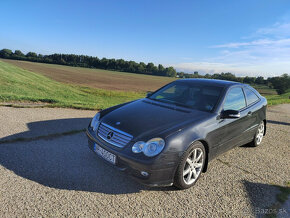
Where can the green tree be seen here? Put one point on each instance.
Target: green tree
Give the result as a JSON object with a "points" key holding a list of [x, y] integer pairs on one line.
{"points": [[181, 74], [249, 80], [141, 69], [31, 55], [151, 68], [170, 71], [208, 76], [5, 53], [260, 80], [161, 70], [132, 67], [19, 53], [281, 83]]}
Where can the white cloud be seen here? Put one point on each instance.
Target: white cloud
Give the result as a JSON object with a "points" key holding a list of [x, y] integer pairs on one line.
{"points": [[277, 30], [267, 69], [267, 55], [260, 42]]}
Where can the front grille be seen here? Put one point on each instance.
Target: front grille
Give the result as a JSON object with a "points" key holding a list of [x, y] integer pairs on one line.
{"points": [[113, 136]]}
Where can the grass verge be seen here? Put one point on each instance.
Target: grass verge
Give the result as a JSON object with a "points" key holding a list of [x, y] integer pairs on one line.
{"points": [[278, 99], [281, 197], [17, 84]]}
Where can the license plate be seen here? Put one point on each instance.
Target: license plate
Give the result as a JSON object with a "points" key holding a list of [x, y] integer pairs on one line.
{"points": [[108, 156]]}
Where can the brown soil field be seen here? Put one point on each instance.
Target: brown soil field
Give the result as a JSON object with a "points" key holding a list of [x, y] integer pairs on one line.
{"points": [[95, 78]]}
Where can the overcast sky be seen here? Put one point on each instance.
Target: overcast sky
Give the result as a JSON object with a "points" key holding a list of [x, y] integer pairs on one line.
{"points": [[245, 37]]}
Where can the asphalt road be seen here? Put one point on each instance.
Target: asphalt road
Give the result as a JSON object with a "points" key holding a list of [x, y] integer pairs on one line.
{"points": [[57, 175]]}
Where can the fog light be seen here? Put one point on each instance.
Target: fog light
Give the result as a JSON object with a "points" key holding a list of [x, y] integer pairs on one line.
{"points": [[143, 173]]}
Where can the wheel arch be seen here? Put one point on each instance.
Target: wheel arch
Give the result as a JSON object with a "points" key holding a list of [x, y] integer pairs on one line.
{"points": [[206, 147], [265, 124]]}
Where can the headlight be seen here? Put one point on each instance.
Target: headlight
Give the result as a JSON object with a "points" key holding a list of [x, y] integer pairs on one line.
{"points": [[138, 147], [151, 148], [95, 121]]}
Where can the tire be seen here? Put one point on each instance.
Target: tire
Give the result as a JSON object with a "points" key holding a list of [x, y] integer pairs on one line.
{"points": [[190, 166], [259, 135]]}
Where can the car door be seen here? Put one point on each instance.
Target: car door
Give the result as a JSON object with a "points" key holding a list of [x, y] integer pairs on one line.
{"points": [[252, 111], [232, 130]]}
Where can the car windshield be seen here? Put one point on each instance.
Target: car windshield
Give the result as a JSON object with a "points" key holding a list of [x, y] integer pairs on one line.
{"points": [[195, 96]]}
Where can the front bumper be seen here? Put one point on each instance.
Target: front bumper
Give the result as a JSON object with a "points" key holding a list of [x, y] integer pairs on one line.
{"points": [[159, 174]]}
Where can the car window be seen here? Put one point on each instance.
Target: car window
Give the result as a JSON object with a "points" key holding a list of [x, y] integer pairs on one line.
{"points": [[235, 99], [195, 96], [251, 96], [172, 92]]}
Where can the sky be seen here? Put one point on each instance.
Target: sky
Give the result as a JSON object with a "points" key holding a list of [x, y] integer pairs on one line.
{"points": [[245, 37]]}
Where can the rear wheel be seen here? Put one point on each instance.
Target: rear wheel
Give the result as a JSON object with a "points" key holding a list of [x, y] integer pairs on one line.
{"points": [[190, 166], [259, 135]]}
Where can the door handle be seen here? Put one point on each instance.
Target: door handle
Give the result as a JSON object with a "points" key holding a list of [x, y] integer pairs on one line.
{"points": [[250, 113]]}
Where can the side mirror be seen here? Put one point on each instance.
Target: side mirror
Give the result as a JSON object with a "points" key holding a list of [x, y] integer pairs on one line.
{"points": [[148, 94], [230, 114]]}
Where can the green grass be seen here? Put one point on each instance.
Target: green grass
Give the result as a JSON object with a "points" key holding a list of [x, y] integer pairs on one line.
{"points": [[271, 94], [17, 84], [278, 99], [281, 197], [264, 89]]}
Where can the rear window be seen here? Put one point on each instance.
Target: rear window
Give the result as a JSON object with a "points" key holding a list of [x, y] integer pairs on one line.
{"points": [[251, 96], [235, 99]]}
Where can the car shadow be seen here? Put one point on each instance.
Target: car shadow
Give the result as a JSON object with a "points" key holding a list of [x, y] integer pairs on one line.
{"points": [[48, 128], [62, 162], [278, 122], [262, 197]]}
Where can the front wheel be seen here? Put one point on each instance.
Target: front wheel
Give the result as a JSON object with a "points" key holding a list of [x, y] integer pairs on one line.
{"points": [[190, 166], [259, 135]]}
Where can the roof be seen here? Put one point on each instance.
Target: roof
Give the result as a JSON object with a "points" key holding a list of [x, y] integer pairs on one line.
{"points": [[217, 82]]}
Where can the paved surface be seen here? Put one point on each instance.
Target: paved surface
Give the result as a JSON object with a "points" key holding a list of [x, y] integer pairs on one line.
{"points": [[59, 176]]}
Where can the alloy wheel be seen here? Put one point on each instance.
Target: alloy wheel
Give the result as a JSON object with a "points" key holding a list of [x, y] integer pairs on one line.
{"points": [[193, 166], [260, 133]]}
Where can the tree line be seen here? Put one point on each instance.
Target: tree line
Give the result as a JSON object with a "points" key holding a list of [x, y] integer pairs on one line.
{"points": [[281, 83], [91, 62]]}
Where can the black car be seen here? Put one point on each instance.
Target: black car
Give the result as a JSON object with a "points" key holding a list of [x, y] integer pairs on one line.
{"points": [[169, 137]]}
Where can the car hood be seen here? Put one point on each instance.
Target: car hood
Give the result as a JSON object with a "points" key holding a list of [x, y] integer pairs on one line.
{"points": [[146, 117]]}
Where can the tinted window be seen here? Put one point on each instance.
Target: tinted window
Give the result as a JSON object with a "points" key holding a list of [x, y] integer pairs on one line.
{"points": [[251, 96], [175, 90], [191, 95], [235, 100]]}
